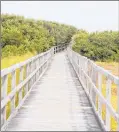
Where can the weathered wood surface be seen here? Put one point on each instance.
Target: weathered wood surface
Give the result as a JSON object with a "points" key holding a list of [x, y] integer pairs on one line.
{"points": [[57, 102]]}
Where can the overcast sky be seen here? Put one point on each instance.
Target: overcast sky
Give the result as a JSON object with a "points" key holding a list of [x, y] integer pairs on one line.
{"points": [[88, 15]]}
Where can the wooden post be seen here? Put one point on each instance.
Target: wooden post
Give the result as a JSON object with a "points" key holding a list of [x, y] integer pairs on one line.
{"points": [[13, 86], [4, 87], [100, 89], [21, 79], [32, 67], [29, 68], [94, 81], [27, 74], [4, 94], [108, 97]]}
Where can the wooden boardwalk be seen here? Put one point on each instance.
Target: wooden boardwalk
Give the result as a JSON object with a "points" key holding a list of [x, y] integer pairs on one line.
{"points": [[56, 103]]}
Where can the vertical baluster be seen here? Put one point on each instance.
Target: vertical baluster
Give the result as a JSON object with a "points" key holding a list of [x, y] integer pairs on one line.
{"points": [[29, 64], [31, 72], [33, 78], [39, 60], [100, 89], [13, 86], [29, 68], [54, 50], [29, 83], [37, 65], [21, 79], [27, 74], [4, 86], [94, 82], [4, 94], [108, 97]]}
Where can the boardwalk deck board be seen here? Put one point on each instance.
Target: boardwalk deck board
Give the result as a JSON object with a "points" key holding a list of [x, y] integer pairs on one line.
{"points": [[56, 103]]}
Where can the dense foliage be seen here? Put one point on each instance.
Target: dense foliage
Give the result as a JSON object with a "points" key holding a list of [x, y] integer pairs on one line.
{"points": [[20, 35], [98, 46]]}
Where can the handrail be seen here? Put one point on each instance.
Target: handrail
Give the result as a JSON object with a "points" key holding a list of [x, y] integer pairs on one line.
{"points": [[90, 76]]}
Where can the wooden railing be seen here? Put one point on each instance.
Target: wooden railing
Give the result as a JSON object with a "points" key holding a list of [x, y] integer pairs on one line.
{"points": [[59, 48], [98, 84], [12, 94]]}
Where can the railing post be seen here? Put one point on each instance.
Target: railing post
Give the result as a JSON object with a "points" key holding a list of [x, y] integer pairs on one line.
{"points": [[93, 77], [100, 89], [4, 87], [27, 74], [21, 79], [13, 86], [31, 72], [29, 68], [4, 94], [37, 65], [108, 97], [54, 50]]}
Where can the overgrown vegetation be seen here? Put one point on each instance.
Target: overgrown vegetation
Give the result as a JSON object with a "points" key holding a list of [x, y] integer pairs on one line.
{"points": [[21, 35], [98, 46]]}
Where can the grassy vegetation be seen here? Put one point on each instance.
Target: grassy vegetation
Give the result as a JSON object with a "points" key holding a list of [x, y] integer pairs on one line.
{"points": [[113, 67], [11, 60], [7, 62]]}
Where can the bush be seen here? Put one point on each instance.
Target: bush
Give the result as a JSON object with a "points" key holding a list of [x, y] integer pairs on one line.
{"points": [[99, 46]]}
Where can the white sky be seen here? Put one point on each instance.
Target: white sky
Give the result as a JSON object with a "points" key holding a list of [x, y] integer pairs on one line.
{"points": [[88, 15]]}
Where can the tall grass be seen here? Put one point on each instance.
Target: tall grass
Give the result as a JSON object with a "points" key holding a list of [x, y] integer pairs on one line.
{"points": [[11, 60], [113, 68], [7, 62]]}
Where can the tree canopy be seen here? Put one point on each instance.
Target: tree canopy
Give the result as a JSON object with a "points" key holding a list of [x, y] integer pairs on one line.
{"points": [[98, 46], [20, 35]]}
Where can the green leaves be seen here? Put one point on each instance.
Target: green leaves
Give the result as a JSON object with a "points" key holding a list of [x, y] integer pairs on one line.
{"points": [[101, 46], [32, 35]]}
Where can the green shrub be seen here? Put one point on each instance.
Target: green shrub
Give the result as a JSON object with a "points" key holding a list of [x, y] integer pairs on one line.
{"points": [[98, 46]]}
